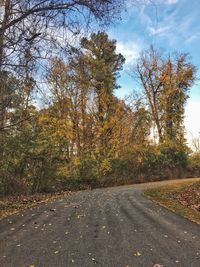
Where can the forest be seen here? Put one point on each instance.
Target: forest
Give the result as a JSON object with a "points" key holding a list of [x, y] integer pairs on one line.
{"points": [[62, 127]]}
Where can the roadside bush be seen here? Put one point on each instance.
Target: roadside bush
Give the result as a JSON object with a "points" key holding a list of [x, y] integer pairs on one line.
{"points": [[194, 164]]}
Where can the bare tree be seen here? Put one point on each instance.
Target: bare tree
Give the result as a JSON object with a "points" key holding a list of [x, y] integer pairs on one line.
{"points": [[166, 81], [196, 143], [31, 29], [148, 71], [25, 22]]}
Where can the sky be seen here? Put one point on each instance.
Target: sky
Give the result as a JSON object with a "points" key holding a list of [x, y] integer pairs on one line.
{"points": [[172, 25]]}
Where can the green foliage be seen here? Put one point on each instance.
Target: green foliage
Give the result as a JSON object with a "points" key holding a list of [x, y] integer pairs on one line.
{"points": [[194, 164], [195, 160]]}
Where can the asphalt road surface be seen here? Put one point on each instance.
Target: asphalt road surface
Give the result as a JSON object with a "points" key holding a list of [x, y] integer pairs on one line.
{"points": [[113, 227]]}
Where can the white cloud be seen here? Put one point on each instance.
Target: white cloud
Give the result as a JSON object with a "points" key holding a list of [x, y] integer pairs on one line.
{"points": [[129, 50], [171, 2], [192, 38], [159, 30], [173, 28]]}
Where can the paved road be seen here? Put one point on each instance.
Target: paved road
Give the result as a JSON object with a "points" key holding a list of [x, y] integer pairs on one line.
{"points": [[114, 227]]}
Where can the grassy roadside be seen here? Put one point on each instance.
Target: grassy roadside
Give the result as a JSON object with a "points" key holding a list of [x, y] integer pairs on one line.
{"points": [[168, 196], [13, 204]]}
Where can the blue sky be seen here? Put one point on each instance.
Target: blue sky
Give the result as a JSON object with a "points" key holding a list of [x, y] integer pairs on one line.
{"points": [[173, 25]]}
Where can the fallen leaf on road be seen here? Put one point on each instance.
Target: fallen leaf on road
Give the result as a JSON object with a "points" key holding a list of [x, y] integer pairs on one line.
{"points": [[52, 209], [137, 254], [80, 215], [56, 252]]}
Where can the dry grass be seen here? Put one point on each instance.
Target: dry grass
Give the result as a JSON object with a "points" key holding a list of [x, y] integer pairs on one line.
{"points": [[171, 194]]}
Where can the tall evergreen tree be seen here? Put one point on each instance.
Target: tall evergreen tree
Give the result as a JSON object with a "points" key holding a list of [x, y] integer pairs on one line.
{"points": [[104, 65]]}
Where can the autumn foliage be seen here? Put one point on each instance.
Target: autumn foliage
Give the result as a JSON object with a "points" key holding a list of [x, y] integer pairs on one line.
{"points": [[84, 136]]}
